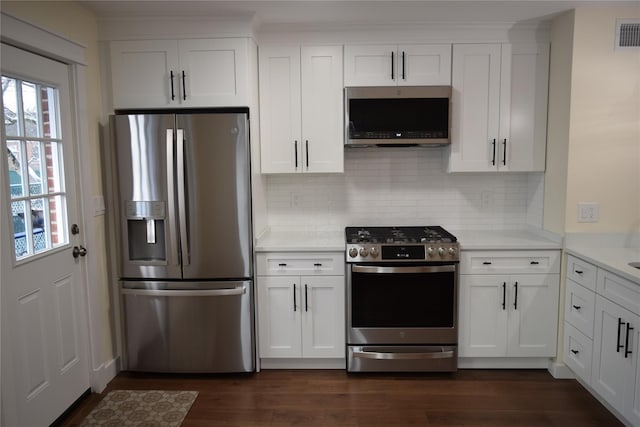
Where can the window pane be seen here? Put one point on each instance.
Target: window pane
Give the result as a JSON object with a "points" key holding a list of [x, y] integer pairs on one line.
{"points": [[50, 122], [14, 156], [10, 106], [36, 168], [38, 225], [58, 214], [30, 108], [19, 229], [53, 164]]}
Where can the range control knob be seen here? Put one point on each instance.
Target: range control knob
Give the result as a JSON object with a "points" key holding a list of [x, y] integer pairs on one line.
{"points": [[353, 252], [430, 252], [441, 252], [364, 252], [452, 251], [373, 252]]}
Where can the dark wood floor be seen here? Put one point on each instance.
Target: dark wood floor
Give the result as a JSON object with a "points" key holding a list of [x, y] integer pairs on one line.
{"points": [[335, 398]]}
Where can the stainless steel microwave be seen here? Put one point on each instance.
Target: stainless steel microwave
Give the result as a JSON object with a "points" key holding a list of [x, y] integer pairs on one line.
{"points": [[397, 116]]}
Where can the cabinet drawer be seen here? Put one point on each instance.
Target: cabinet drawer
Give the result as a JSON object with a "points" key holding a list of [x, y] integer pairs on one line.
{"points": [[295, 264], [581, 272], [619, 290], [509, 262], [578, 349], [580, 307]]}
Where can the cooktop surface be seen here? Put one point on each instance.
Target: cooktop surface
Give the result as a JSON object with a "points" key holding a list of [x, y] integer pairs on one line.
{"points": [[391, 235]]}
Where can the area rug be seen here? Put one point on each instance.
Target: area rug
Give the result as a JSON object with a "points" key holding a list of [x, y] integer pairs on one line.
{"points": [[141, 408]]}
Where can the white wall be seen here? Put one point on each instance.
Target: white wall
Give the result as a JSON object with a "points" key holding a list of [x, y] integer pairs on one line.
{"points": [[604, 135], [403, 186]]}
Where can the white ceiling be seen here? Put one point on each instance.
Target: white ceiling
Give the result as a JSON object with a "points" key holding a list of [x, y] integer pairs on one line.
{"points": [[267, 12]]}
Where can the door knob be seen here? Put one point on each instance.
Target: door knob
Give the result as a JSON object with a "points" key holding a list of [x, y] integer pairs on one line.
{"points": [[79, 251]]}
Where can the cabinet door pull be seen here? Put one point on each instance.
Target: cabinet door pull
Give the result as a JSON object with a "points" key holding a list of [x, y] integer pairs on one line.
{"points": [[515, 301], [578, 271], [486, 263], [577, 307], [493, 159], [504, 296], [184, 87], [404, 75], [618, 345], [173, 94], [306, 298], [393, 76], [306, 151], [574, 351], [295, 303], [627, 352], [504, 158], [295, 149], [534, 263]]}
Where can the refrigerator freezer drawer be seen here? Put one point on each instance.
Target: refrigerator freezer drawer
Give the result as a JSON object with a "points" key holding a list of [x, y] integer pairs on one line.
{"points": [[205, 329]]}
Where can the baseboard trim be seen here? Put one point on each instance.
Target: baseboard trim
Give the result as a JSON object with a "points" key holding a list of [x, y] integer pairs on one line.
{"points": [[102, 375], [503, 362], [560, 371], [287, 363]]}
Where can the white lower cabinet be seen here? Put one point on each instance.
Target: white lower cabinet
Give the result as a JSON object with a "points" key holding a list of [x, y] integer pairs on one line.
{"points": [[602, 335], [508, 315], [300, 315]]}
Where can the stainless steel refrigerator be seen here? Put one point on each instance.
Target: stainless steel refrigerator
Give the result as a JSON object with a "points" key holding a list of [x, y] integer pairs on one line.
{"points": [[186, 271]]}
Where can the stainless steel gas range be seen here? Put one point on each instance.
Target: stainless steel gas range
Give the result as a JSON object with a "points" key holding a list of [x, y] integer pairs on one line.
{"points": [[402, 299]]}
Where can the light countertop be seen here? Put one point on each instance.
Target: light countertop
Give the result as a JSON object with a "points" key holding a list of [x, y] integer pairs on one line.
{"points": [[615, 260], [302, 241]]}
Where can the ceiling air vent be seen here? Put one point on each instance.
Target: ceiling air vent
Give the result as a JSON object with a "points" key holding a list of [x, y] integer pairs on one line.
{"points": [[627, 34]]}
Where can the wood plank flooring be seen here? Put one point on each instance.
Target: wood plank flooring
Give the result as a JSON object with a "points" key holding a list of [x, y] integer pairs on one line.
{"points": [[280, 398]]}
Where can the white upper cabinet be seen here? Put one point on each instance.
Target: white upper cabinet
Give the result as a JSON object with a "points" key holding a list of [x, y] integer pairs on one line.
{"points": [[301, 109], [499, 111], [402, 65], [180, 73]]}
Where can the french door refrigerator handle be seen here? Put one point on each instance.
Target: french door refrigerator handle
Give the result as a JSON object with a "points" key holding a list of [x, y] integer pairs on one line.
{"points": [[171, 195], [182, 207], [238, 290]]}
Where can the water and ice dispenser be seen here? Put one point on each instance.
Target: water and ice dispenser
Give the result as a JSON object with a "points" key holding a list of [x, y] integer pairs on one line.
{"points": [[146, 230]]}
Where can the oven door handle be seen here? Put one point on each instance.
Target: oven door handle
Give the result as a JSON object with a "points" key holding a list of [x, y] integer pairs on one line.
{"points": [[404, 356], [402, 269]]}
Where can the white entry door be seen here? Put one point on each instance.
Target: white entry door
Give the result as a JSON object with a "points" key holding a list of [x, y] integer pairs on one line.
{"points": [[44, 333]]}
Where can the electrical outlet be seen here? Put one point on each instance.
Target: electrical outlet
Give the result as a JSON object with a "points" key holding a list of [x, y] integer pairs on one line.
{"points": [[486, 199], [588, 212], [296, 200]]}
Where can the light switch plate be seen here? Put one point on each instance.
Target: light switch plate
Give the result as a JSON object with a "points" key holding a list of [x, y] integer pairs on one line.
{"points": [[588, 212]]}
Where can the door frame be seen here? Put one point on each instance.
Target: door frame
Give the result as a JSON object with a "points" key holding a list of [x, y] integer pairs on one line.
{"points": [[40, 41]]}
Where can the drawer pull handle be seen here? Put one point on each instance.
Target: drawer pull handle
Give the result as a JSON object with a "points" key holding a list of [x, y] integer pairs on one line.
{"points": [[574, 351], [577, 307], [317, 264], [486, 263], [578, 271], [534, 263], [282, 265]]}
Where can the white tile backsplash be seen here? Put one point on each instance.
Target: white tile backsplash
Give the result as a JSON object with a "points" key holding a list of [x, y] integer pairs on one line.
{"points": [[403, 186]]}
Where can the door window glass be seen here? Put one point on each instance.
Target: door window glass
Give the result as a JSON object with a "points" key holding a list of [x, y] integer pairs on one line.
{"points": [[33, 149]]}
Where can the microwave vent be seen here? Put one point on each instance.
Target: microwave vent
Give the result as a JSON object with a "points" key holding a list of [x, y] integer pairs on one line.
{"points": [[627, 34]]}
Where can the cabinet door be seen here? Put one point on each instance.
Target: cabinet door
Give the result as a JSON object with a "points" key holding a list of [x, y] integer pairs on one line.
{"points": [[374, 65], [483, 315], [141, 73], [476, 82], [322, 109], [214, 71], [613, 376], [280, 116], [279, 311], [424, 64], [523, 140], [323, 316], [533, 315]]}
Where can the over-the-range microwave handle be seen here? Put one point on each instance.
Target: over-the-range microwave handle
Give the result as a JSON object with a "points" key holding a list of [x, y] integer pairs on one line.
{"points": [[374, 269], [182, 207], [238, 290], [404, 356], [172, 244]]}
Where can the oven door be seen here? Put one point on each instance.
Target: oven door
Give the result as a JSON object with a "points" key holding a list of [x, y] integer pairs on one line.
{"points": [[391, 304]]}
